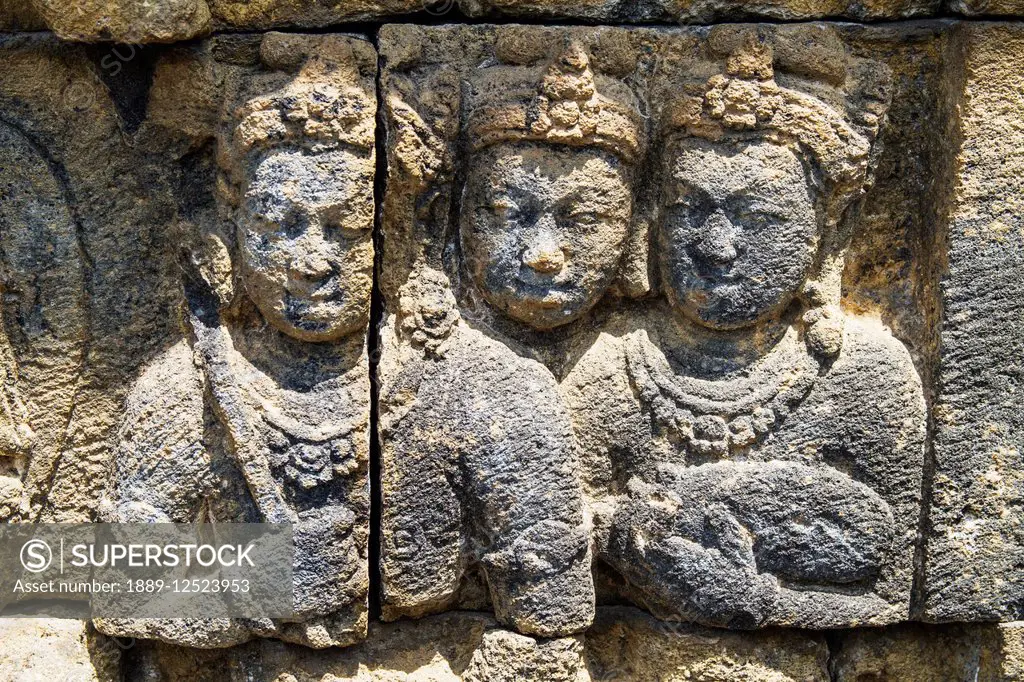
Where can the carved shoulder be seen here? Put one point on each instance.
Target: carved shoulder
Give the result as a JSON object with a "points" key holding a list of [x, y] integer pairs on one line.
{"points": [[160, 457], [871, 399], [609, 424]]}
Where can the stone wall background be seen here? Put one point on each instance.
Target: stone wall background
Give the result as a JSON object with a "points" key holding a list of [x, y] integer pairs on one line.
{"points": [[114, 144]]}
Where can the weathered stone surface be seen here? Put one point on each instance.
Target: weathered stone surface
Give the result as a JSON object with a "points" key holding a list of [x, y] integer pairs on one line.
{"points": [[624, 645], [168, 21], [262, 14], [976, 652], [662, 309], [52, 650], [975, 547], [19, 15], [125, 21], [1009, 8], [699, 11], [263, 404], [748, 452], [86, 285]]}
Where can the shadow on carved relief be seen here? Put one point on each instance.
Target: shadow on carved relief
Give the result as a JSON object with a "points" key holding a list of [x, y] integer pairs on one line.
{"points": [[261, 413], [42, 323], [612, 271]]}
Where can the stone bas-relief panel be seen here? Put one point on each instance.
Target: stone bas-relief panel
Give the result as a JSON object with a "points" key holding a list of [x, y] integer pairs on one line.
{"points": [[615, 334], [260, 413]]}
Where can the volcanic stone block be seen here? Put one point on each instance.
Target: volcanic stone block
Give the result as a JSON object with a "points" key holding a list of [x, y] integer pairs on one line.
{"points": [[625, 645], [45, 649], [1010, 8], [125, 21], [87, 291], [615, 326], [168, 21], [263, 14], [19, 15], [699, 11], [975, 550]]}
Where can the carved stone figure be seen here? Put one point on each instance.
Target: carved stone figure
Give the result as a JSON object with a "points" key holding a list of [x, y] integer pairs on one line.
{"points": [[42, 324], [261, 414], [755, 453], [480, 462]]}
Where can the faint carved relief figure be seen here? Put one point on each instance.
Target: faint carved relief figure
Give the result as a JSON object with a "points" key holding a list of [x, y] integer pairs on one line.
{"points": [[43, 324], [262, 413], [480, 465], [762, 449]]}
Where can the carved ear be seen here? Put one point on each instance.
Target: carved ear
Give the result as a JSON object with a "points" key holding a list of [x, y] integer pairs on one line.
{"points": [[634, 279]]}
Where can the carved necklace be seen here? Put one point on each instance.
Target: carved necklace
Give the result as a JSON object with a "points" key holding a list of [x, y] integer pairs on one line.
{"points": [[718, 418], [308, 455]]}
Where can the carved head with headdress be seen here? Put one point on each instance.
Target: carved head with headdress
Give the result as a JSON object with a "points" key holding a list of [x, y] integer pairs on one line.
{"points": [[296, 187], [547, 206], [758, 183]]}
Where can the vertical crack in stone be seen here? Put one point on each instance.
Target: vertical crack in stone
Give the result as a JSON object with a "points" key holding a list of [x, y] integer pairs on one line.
{"points": [[945, 149], [373, 344]]}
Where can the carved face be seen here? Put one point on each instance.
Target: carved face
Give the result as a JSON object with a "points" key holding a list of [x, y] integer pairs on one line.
{"points": [[740, 231], [306, 245], [543, 229]]}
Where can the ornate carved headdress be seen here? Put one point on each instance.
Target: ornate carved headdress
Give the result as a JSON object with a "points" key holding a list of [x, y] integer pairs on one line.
{"points": [[747, 98], [318, 101], [747, 102], [324, 106], [565, 103]]}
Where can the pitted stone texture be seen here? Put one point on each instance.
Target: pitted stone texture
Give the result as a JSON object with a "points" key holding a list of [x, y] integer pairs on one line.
{"points": [[57, 650], [624, 646], [975, 544], [617, 227], [125, 21], [979, 652], [263, 14], [20, 15], [699, 11], [259, 411], [991, 8], [168, 21], [87, 287]]}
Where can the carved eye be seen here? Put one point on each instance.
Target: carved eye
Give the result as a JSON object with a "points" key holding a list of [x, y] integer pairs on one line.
{"points": [[760, 219], [293, 224], [587, 219]]}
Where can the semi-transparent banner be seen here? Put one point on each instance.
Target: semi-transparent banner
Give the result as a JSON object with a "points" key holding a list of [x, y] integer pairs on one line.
{"points": [[146, 570]]}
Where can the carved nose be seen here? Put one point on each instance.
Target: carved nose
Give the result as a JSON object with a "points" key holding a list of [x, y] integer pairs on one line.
{"points": [[719, 243], [544, 255], [312, 266]]}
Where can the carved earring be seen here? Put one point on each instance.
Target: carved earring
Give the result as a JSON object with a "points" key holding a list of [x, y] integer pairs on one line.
{"points": [[823, 321]]}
